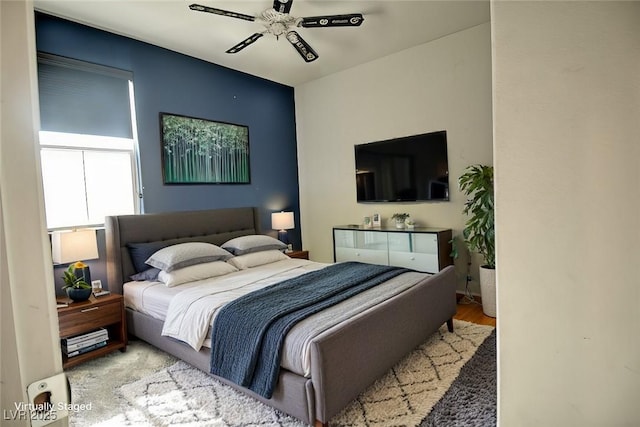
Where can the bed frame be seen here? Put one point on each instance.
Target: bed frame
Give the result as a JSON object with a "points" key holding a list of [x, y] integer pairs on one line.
{"points": [[344, 360]]}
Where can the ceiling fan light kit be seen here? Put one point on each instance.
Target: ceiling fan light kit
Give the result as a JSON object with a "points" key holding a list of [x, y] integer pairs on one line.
{"points": [[277, 21]]}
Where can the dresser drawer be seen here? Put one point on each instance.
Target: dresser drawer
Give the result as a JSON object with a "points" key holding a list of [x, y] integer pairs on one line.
{"points": [[421, 262], [368, 256], [80, 320]]}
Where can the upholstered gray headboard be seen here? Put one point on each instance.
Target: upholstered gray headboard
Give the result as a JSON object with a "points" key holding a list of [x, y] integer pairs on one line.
{"points": [[214, 226]]}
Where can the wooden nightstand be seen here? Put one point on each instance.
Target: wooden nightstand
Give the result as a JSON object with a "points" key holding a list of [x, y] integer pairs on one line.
{"points": [[298, 254], [81, 317]]}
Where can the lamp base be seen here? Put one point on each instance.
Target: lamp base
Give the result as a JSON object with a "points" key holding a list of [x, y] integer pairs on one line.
{"points": [[85, 273], [283, 236]]}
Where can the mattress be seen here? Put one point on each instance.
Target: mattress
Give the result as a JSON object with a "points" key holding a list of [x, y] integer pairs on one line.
{"points": [[191, 308]]}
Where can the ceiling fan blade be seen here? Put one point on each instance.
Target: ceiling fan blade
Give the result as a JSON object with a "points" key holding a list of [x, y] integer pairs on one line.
{"points": [[350, 20], [200, 8], [244, 43], [303, 48], [282, 6]]}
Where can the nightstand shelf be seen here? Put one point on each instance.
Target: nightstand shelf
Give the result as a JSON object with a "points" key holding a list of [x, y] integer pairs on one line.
{"points": [[83, 317]]}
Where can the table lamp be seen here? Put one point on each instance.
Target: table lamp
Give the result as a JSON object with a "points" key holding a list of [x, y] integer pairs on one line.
{"points": [[282, 221], [72, 246]]}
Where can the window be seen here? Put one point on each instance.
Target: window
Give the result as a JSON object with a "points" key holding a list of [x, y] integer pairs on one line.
{"points": [[85, 178], [88, 145]]}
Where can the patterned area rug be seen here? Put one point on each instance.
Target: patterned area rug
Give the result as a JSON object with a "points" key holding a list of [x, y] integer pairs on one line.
{"points": [[166, 392], [471, 401]]}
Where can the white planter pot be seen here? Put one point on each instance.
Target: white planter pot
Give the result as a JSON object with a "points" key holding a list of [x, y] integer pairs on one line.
{"points": [[488, 290], [399, 224]]}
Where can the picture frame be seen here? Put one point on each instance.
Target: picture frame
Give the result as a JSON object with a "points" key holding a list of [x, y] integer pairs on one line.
{"points": [[366, 223], [376, 221], [202, 151]]}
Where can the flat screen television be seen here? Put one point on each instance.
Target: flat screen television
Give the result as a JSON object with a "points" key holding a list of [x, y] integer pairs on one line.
{"points": [[407, 169]]}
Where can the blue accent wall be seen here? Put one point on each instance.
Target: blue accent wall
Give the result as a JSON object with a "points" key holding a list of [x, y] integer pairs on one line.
{"points": [[166, 81]]}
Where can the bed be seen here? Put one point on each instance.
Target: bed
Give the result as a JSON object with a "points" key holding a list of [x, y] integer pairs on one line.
{"points": [[343, 361]]}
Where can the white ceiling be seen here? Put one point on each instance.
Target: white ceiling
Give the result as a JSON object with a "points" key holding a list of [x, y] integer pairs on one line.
{"points": [[389, 26]]}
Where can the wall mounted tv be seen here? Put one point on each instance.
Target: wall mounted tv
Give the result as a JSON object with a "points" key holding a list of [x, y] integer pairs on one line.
{"points": [[407, 169]]}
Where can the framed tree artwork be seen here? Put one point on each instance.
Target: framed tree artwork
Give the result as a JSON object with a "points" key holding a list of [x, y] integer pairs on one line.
{"points": [[199, 151]]}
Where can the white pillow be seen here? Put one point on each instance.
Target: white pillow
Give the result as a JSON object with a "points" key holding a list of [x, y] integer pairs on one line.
{"points": [[195, 272], [255, 259], [183, 255], [252, 243]]}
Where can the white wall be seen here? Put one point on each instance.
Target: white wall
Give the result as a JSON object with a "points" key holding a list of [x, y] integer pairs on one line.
{"points": [[567, 157], [29, 339], [441, 85]]}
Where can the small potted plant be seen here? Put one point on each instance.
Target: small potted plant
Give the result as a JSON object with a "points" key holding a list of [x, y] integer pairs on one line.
{"points": [[400, 218], [75, 284], [411, 224]]}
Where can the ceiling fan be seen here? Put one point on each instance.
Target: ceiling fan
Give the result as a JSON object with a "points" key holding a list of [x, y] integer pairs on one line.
{"points": [[278, 21]]}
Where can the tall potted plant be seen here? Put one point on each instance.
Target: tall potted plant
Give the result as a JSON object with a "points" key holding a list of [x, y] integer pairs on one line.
{"points": [[479, 231]]}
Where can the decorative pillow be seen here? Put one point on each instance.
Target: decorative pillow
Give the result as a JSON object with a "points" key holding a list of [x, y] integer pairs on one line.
{"points": [[140, 253], [252, 243], [149, 274], [195, 272], [185, 254], [255, 259]]}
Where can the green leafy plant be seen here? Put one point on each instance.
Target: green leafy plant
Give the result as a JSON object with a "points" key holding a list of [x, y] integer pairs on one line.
{"points": [[479, 231], [400, 216], [73, 281]]}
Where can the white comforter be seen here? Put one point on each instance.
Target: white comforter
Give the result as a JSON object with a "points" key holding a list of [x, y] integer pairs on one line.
{"points": [[192, 310]]}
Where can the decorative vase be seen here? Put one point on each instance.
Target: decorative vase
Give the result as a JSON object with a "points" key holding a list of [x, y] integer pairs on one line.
{"points": [[399, 223], [78, 294], [488, 290]]}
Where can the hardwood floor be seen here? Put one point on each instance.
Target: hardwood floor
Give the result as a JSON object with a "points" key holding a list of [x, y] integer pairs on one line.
{"points": [[472, 312]]}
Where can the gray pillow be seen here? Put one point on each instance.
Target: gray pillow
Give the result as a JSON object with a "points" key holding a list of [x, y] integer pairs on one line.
{"points": [[182, 255], [253, 243]]}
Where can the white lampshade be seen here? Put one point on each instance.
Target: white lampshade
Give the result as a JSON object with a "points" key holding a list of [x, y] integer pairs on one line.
{"points": [[72, 246], [282, 221]]}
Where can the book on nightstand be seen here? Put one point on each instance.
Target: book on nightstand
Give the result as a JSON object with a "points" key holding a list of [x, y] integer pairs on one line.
{"points": [[84, 349], [83, 337], [83, 341]]}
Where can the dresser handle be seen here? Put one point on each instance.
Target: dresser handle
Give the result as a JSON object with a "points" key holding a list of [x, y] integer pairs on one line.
{"points": [[89, 309]]}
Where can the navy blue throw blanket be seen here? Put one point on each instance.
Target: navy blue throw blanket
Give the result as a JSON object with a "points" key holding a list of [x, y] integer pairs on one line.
{"points": [[247, 335]]}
